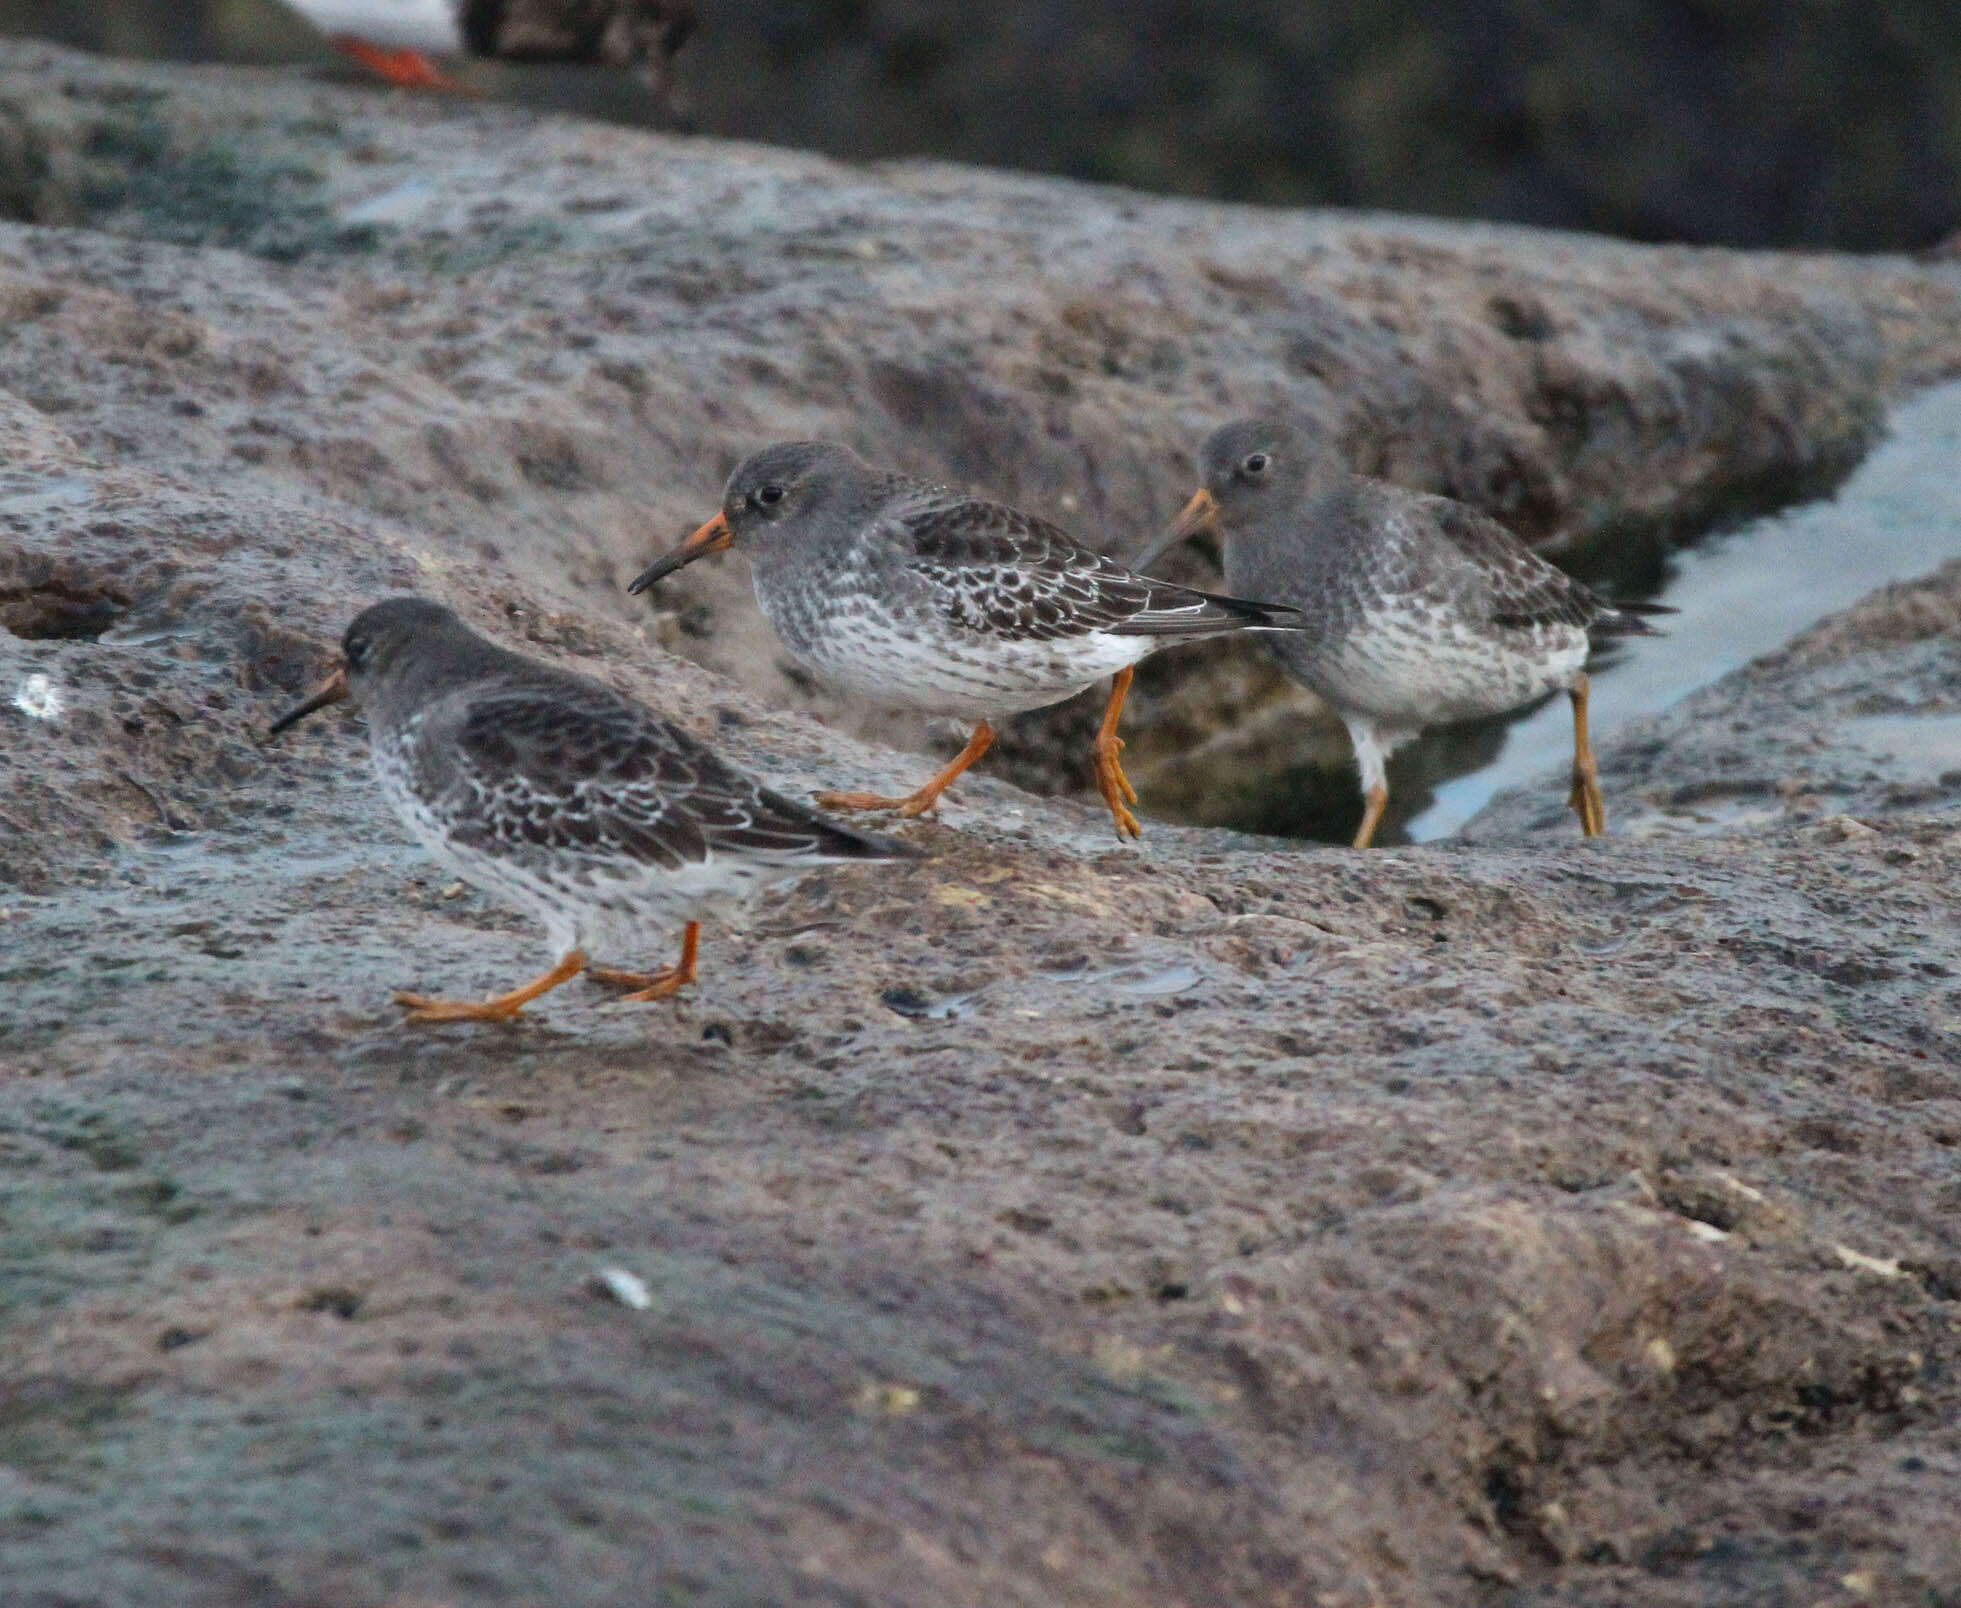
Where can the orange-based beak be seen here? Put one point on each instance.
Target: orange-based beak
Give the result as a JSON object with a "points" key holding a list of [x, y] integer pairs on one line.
{"points": [[1201, 513], [330, 691], [711, 538]]}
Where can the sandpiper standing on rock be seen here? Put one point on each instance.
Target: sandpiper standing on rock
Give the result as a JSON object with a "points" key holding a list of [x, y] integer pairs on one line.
{"points": [[907, 593], [1421, 609], [567, 799]]}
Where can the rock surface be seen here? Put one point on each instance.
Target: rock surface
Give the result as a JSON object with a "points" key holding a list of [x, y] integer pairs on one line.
{"points": [[1750, 123], [1213, 1221]]}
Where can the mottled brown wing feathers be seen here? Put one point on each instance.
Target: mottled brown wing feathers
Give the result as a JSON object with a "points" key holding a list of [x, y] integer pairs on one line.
{"points": [[1012, 575], [567, 763], [1519, 587]]}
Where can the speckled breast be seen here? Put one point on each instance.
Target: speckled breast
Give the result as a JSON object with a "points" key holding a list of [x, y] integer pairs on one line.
{"points": [[891, 644], [1423, 666]]}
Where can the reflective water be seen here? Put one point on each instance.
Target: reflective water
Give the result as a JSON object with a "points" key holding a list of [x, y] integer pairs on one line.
{"points": [[1911, 747]]}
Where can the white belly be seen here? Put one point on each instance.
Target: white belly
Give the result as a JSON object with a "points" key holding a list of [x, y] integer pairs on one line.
{"points": [[970, 678], [1407, 673], [418, 24]]}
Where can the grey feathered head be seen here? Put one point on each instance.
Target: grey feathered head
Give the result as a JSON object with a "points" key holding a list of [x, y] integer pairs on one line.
{"points": [[381, 639], [1242, 465], [775, 496]]}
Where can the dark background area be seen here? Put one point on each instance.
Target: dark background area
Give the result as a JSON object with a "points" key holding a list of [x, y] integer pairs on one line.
{"points": [[1741, 122], [1748, 122]]}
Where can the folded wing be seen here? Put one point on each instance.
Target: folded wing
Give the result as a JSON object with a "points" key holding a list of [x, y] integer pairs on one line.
{"points": [[1000, 571], [569, 765], [1514, 586]]}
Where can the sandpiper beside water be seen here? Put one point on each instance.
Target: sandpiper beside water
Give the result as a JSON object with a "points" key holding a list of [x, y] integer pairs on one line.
{"points": [[1420, 610], [560, 796], [907, 593]]}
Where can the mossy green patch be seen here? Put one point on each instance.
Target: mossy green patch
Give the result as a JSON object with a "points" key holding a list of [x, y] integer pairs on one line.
{"points": [[445, 253], [241, 193]]}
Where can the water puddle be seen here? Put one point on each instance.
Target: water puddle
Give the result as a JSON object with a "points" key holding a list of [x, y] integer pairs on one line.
{"points": [[1706, 818], [1137, 981], [29, 492], [1146, 982], [397, 204], [1915, 748], [917, 1006]]}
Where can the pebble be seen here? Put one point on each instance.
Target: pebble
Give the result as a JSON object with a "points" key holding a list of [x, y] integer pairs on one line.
{"points": [[629, 1289]]}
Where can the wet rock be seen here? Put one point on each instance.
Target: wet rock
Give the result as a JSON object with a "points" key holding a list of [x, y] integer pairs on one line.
{"points": [[1213, 1220]]}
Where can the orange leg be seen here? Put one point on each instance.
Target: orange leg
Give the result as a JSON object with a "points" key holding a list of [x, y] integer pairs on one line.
{"points": [[1110, 779], [1377, 799], [656, 985], [501, 1007], [406, 69], [1585, 797], [929, 795]]}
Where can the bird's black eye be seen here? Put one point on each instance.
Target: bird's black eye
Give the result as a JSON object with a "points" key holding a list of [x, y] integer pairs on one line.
{"points": [[769, 496], [1255, 463], [357, 649]]}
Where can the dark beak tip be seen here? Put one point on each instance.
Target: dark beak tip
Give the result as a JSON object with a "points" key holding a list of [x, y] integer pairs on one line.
{"points": [[713, 537], [659, 570], [331, 691]]}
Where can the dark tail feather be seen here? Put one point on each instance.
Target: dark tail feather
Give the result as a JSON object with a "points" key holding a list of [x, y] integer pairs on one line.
{"points": [[1175, 617], [1277, 616], [790, 828], [836, 841], [833, 840], [1628, 619]]}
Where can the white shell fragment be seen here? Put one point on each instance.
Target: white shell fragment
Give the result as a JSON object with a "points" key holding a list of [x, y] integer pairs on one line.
{"points": [[629, 1289], [1885, 1267], [38, 697]]}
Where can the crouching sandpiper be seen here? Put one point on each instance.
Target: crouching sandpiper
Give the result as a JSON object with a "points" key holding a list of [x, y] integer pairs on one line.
{"points": [[564, 798]]}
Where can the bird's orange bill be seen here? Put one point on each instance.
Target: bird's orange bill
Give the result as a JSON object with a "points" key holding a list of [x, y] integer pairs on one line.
{"points": [[405, 69], [1200, 514], [1110, 779], [711, 538], [330, 691]]}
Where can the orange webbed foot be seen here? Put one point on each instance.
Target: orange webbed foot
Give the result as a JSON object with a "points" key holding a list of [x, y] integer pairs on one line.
{"points": [[499, 1008], [647, 986]]}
